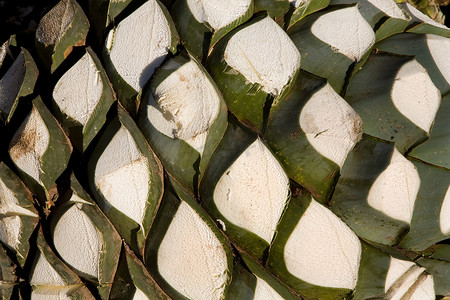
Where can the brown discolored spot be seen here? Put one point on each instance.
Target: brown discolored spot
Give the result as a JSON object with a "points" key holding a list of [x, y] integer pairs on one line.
{"points": [[296, 133], [23, 143]]}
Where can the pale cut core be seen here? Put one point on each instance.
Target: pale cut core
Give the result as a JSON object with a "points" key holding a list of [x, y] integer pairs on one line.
{"points": [[191, 258], [439, 47], [264, 54], [11, 82], [331, 126], [29, 144], [322, 250], [346, 31], [422, 17], [390, 8], [11, 223], [54, 24], [185, 104], [253, 191], [78, 241], [218, 13], [404, 274], [415, 96], [44, 274], [139, 44], [78, 91], [122, 175], [395, 190]]}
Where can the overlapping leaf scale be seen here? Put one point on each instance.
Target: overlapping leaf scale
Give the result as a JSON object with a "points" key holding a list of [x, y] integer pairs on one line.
{"points": [[50, 278], [85, 239], [126, 179]]}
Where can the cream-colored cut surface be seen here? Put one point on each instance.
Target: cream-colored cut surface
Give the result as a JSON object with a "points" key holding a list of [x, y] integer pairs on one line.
{"points": [[44, 274], [139, 44], [444, 215], [10, 222], [78, 91], [346, 31], [10, 231], [185, 104], [390, 8], [415, 96], [263, 291], [263, 54], [402, 275], [191, 258], [218, 13], [439, 47], [422, 17], [331, 126], [54, 24], [11, 82], [122, 175], [29, 144], [253, 191], [394, 191], [322, 250], [139, 295], [78, 241], [51, 293]]}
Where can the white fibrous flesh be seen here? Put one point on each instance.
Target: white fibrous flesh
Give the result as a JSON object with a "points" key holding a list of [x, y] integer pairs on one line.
{"points": [[139, 295], [415, 96], [184, 105], [29, 144], [191, 258], [78, 91], [403, 274], [54, 24], [422, 17], [139, 44], [217, 13], [122, 175], [264, 291], [10, 231], [253, 192], [78, 241], [395, 190], [390, 8], [10, 222], [11, 82], [444, 215], [331, 126], [51, 293], [263, 54], [322, 250], [439, 47], [346, 31], [44, 274]]}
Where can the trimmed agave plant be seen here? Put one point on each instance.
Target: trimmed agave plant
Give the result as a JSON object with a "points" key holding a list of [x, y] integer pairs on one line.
{"points": [[258, 149]]}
